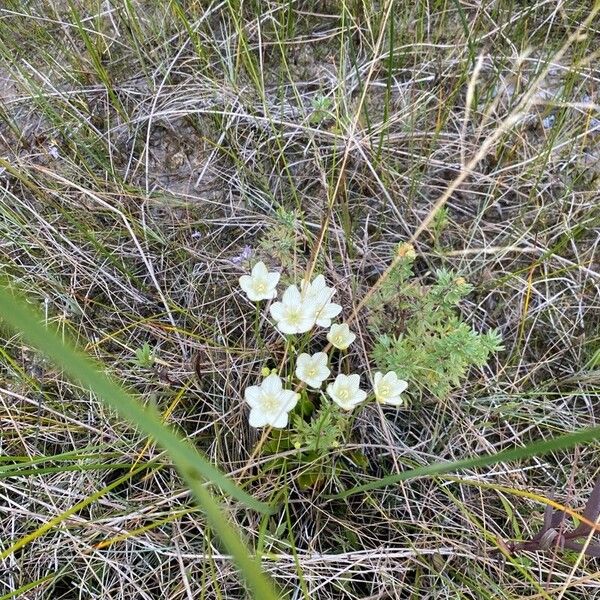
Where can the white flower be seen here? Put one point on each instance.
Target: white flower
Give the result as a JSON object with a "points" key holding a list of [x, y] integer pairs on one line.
{"points": [[261, 284], [341, 336], [388, 388], [312, 370], [293, 314], [321, 295], [270, 403], [345, 391]]}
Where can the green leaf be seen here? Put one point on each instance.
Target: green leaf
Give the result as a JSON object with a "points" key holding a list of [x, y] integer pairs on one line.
{"points": [[540, 448], [191, 464], [144, 357]]}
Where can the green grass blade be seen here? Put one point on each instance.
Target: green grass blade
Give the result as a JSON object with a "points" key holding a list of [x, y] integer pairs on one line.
{"points": [[192, 466], [561, 442], [60, 518], [28, 587], [146, 419]]}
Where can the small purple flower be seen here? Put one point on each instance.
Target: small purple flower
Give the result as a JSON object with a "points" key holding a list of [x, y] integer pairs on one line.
{"points": [[243, 257]]}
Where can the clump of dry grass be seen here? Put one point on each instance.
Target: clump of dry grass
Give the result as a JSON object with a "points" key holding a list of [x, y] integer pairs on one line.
{"points": [[146, 149]]}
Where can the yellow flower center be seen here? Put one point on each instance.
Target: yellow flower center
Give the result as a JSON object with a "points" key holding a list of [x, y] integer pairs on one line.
{"points": [[312, 372], [294, 316], [384, 390], [344, 394], [270, 403], [260, 287]]}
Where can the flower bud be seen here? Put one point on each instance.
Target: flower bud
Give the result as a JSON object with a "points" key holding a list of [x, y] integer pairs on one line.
{"points": [[406, 250]]}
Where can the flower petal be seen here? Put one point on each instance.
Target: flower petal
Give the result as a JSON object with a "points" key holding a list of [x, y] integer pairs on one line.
{"points": [[289, 399], [277, 310], [359, 396], [394, 401], [321, 297], [273, 278], [318, 282], [252, 395], [303, 361], [257, 418], [245, 283], [291, 295], [322, 374], [377, 378], [285, 327], [280, 420], [329, 311], [390, 378], [260, 270], [400, 386], [272, 385], [346, 405], [320, 358], [305, 324], [353, 380]]}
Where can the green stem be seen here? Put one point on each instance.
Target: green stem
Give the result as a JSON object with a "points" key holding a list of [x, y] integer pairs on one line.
{"points": [[259, 339]]}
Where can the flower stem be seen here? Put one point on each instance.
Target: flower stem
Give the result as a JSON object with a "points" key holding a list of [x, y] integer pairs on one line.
{"points": [[257, 335]]}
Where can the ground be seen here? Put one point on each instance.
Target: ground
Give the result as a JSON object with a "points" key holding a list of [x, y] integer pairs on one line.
{"points": [[151, 152]]}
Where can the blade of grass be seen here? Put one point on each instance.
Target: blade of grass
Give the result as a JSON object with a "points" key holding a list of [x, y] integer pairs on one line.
{"points": [[540, 448], [188, 460], [60, 518], [192, 466], [18, 593]]}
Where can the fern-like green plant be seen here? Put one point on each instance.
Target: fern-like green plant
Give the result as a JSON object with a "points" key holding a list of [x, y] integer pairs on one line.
{"points": [[281, 242], [427, 343], [323, 432]]}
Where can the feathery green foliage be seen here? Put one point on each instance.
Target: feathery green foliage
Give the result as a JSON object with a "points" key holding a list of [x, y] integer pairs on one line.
{"points": [[428, 344], [323, 432]]}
